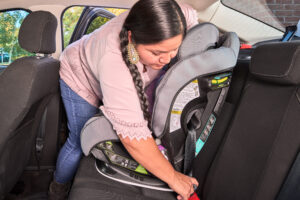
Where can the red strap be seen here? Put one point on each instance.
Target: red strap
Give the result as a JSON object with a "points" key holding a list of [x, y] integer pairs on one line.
{"points": [[194, 197], [246, 46]]}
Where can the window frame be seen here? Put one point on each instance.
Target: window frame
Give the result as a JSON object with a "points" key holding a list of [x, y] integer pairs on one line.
{"points": [[87, 16]]}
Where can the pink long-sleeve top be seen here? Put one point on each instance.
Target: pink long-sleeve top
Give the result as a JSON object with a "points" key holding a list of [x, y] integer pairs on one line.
{"points": [[93, 68]]}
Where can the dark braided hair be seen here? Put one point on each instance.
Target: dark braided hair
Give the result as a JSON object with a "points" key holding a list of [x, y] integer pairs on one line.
{"points": [[150, 22], [136, 76]]}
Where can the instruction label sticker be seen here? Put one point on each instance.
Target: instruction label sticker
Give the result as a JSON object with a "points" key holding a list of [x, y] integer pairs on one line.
{"points": [[188, 93]]}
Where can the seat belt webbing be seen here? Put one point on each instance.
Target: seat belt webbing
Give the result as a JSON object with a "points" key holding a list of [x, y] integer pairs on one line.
{"points": [[191, 149], [40, 127]]}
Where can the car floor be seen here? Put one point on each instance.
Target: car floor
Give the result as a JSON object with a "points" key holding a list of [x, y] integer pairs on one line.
{"points": [[33, 185]]}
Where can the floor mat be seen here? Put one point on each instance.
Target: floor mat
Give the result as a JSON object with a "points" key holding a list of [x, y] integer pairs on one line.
{"points": [[32, 185]]}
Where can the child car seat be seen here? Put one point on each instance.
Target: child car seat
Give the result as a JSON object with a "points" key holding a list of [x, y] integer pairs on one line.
{"points": [[188, 100]]}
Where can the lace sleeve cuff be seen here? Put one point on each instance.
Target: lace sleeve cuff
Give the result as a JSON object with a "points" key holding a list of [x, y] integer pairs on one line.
{"points": [[131, 130]]}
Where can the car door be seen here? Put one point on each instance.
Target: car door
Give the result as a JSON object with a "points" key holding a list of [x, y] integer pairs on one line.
{"points": [[92, 18]]}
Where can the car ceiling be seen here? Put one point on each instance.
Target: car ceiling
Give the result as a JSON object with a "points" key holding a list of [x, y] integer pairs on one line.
{"points": [[6, 4]]}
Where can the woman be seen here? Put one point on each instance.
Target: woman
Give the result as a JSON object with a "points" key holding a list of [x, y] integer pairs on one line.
{"points": [[114, 64]]}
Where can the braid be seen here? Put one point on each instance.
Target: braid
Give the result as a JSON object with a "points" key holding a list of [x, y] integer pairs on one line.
{"points": [[136, 76]]}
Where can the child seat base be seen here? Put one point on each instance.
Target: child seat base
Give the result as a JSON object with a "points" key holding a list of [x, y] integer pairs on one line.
{"points": [[126, 176]]}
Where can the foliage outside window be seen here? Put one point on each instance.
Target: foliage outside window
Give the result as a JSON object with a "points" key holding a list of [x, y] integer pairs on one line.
{"points": [[72, 15], [70, 19], [10, 22]]}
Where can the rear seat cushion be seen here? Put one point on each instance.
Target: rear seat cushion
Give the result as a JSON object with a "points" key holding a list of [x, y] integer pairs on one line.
{"points": [[89, 184]]}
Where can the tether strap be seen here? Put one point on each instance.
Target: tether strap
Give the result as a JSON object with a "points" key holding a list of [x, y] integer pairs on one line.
{"points": [[291, 187]]}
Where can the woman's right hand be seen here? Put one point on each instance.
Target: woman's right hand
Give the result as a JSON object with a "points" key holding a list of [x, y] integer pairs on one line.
{"points": [[148, 155], [183, 185]]}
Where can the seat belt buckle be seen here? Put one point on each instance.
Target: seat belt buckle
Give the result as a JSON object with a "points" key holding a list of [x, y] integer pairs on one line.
{"points": [[39, 145]]}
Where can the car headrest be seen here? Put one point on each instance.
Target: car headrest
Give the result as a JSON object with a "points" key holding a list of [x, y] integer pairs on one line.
{"points": [[198, 39], [277, 63], [202, 52], [37, 32]]}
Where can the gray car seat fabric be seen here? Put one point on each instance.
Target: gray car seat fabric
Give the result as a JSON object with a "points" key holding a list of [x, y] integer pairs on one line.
{"points": [[27, 86], [263, 140], [201, 62], [191, 64]]}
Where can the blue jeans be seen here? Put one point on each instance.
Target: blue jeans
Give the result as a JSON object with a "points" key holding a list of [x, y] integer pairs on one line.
{"points": [[78, 112]]}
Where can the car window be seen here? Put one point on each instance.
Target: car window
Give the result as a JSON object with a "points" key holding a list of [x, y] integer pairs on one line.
{"points": [[10, 49], [275, 13], [70, 19], [72, 15], [99, 21]]}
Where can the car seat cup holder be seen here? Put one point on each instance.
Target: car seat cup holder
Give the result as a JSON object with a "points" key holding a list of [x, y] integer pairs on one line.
{"points": [[188, 100]]}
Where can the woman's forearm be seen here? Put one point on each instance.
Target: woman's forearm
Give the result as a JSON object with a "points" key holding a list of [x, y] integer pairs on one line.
{"points": [[146, 153]]}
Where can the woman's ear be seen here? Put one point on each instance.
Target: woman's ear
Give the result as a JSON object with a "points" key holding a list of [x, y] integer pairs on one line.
{"points": [[129, 36]]}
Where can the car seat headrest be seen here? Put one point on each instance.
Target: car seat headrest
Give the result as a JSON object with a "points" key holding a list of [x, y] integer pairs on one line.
{"points": [[37, 32], [198, 39], [277, 62], [207, 54]]}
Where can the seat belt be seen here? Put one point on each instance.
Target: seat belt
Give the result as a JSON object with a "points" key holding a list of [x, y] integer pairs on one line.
{"points": [[39, 141], [197, 118], [291, 187], [196, 138], [40, 127]]}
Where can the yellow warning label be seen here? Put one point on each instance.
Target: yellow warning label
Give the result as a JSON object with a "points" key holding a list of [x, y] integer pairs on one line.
{"points": [[178, 112]]}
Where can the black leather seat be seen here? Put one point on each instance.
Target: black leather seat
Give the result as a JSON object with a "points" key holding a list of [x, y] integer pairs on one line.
{"points": [[262, 140], [27, 87]]}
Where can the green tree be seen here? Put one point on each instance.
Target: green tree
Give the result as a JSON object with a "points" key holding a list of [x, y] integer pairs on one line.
{"points": [[9, 30], [99, 21], [116, 11], [96, 23], [72, 15], [70, 19]]}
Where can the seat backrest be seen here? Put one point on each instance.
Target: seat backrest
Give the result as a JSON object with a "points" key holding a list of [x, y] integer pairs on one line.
{"points": [[201, 53], [263, 140], [192, 92], [27, 86]]}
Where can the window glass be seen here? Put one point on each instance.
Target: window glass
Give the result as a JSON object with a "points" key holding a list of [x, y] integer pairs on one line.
{"points": [[10, 50], [99, 21], [72, 15], [276, 13], [96, 23], [70, 19]]}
